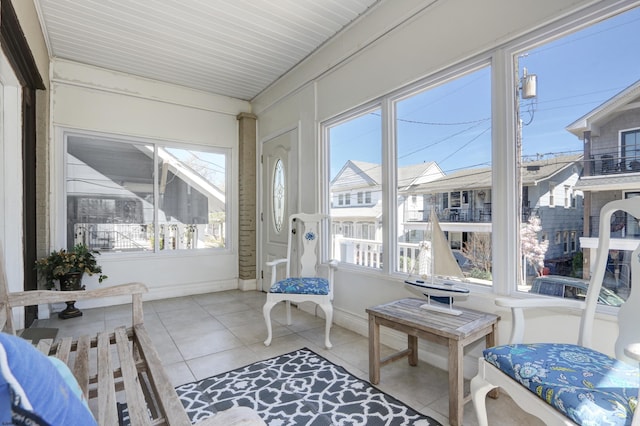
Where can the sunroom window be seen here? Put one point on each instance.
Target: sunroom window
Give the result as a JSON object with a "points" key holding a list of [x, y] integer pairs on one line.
{"points": [[444, 162], [128, 196], [579, 128], [534, 182], [355, 148]]}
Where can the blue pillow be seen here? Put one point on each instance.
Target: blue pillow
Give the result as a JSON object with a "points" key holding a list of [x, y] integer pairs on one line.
{"points": [[32, 390]]}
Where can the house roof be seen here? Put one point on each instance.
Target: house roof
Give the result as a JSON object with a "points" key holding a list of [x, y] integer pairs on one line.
{"points": [[372, 170], [418, 173], [608, 183], [478, 178], [605, 111], [356, 174]]}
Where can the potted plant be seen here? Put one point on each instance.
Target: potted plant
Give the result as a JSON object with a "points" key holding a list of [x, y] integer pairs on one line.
{"points": [[68, 267]]}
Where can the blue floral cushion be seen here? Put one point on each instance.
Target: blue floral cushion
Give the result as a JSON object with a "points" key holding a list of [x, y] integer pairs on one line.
{"points": [[308, 285], [585, 385]]}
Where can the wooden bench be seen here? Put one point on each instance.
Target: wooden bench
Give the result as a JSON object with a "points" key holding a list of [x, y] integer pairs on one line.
{"points": [[121, 365]]}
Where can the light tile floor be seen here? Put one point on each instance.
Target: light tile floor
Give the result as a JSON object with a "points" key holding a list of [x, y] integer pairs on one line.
{"points": [[201, 336]]}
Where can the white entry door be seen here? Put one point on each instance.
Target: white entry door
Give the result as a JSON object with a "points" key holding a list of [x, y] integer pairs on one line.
{"points": [[279, 198]]}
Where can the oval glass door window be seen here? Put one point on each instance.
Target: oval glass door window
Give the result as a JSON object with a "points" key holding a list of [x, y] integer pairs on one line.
{"points": [[279, 192]]}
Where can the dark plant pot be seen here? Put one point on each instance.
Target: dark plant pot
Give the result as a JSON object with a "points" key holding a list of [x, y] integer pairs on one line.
{"points": [[71, 282]]}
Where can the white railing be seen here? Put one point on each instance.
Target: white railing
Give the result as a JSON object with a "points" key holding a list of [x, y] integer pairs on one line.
{"points": [[128, 236], [369, 253]]}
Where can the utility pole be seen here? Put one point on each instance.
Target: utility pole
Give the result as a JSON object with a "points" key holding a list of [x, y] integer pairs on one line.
{"points": [[527, 88]]}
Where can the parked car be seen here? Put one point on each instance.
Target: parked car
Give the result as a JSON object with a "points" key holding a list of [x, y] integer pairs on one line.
{"points": [[571, 288], [463, 261]]}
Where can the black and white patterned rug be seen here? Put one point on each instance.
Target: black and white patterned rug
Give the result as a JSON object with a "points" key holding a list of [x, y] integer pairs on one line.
{"points": [[298, 388]]}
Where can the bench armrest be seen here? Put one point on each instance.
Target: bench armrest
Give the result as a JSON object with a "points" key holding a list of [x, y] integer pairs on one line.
{"points": [[518, 306], [633, 351], [37, 297]]}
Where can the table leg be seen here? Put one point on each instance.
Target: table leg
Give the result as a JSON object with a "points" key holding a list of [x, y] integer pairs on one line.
{"points": [[413, 348], [374, 350], [456, 383]]}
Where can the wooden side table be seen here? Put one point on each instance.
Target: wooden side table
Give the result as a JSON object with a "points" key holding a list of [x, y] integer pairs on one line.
{"points": [[456, 332]]}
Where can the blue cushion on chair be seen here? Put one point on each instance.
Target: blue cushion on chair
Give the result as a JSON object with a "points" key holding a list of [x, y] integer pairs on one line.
{"points": [[585, 385], [309, 285]]}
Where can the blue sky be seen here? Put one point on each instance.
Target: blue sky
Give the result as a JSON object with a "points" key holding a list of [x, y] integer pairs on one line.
{"points": [[450, 124]]}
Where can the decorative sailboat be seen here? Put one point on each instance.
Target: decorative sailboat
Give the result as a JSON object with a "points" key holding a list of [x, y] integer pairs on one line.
{"points": [[439, 273]]}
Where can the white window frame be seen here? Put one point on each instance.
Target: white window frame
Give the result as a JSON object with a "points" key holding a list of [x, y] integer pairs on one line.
{"points": [[505, 199], [552, 190], [59, 202], [620, 133]]}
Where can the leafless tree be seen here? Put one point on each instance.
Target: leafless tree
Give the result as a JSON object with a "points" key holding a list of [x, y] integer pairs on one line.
{"points": [[478, 250]]}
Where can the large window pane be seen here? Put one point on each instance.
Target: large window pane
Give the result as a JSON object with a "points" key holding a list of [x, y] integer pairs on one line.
{"points": [[444, 169], [191, 199], [579, 149], [355, 148], [111, 204]]}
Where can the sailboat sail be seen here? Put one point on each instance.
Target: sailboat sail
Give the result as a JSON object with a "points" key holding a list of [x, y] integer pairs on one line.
{"points": [[439, 272], [436, 258]]}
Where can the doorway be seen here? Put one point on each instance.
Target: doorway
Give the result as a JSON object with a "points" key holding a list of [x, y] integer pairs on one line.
{"points": [[279, 198]]}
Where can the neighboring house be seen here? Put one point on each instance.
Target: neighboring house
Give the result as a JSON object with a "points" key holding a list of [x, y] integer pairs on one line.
{"points": [[462, 201], [109, 213], [611, 135], [356, 204]]}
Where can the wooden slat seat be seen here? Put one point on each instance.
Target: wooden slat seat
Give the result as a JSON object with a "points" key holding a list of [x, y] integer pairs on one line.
{"points": [[118, 365]]}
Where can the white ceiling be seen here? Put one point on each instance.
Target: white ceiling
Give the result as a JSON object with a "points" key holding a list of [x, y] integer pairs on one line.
{"points": [[234, 48]]}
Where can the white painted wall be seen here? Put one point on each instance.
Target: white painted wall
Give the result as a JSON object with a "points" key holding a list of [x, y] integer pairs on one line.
{"points": [[394, 45], [97, 100], [11, 212]]}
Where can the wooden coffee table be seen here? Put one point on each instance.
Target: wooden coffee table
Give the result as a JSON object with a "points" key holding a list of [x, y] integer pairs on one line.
{"points": [[456, 332]]}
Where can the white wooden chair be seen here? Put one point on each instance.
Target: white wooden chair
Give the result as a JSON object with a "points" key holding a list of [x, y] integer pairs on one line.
{"points": [[303, 284], [571, 384]]}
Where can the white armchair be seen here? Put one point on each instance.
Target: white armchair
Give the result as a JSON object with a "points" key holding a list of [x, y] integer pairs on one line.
{"points": [[569, 384]]}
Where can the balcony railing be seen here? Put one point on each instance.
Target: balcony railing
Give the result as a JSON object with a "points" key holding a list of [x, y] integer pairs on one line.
{"points": [[369, 253], [454, 214], [622, 227], [482, 215], [134, 237], [611, 162]]}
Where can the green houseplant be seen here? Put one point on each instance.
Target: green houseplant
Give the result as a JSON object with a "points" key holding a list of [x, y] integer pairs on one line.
{"points": [[67, 267]]}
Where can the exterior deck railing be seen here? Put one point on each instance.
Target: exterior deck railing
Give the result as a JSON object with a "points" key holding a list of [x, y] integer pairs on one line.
{"points": [[134, 236], [610, 162], [622, 227], [369, 253]]}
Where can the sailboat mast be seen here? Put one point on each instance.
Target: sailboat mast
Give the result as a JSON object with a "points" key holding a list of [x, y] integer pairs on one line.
{"points": [[433, 264]]}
